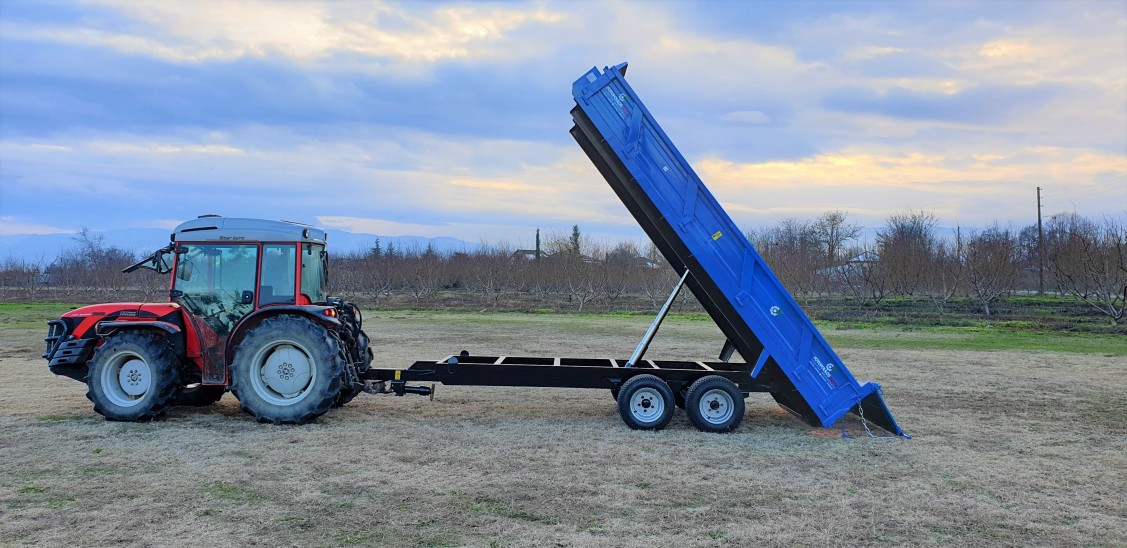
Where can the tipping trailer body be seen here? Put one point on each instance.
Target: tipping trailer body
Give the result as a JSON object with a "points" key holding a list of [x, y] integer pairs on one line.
{"points": [[733, 283]]}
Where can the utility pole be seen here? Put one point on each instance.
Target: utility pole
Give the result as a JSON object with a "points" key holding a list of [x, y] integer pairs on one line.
{"points": [[1040, 248]]}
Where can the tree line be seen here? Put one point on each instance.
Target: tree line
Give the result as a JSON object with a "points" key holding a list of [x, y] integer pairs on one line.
{"points": [[910, 256]]}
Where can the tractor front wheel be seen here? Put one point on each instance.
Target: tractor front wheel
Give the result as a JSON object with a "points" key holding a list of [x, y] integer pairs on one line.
{"points": [[133, 376], [288, 370]]}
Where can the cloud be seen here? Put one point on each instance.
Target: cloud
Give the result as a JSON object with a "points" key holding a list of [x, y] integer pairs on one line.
{"points": [[454, 115], [968, 188], [978, 105], [12, 225], [214, 30], [747, 117]]}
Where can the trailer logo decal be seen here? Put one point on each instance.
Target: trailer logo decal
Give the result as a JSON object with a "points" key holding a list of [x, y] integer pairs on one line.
{"points": [[824, 369], [619, 101], [776, 311]]}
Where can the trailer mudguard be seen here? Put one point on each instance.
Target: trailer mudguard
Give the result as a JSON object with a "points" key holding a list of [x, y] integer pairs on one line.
{"points": [[733, 283]]}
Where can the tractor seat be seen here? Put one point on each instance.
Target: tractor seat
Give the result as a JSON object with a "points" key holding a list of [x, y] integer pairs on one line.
{"points": [[266, 296]]}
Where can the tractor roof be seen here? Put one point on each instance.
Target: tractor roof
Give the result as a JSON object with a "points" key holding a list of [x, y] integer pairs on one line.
{"points": [[213, 228]]}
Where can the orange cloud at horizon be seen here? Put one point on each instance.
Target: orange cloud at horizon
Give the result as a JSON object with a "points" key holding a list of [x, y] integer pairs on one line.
{"points": [[917, 170]]}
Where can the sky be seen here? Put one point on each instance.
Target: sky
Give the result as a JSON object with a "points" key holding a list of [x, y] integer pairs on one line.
{"points": [[451, 119]]}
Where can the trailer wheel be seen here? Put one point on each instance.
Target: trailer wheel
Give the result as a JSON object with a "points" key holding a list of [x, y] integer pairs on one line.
{"points": [[133, 376], [645, 403], [714, 404], [288, 370], [199, 395]]}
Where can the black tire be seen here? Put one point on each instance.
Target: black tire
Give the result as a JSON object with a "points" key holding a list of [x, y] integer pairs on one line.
{"points": [[199, 395], [134, 376], [287, 353], [645, 402], [346, 395], [714, 404]]}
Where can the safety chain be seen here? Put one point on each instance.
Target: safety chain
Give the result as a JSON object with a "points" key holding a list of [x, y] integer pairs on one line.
{"points": [[865, 424]]}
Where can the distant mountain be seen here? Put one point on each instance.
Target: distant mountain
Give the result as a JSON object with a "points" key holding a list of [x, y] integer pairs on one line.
{"points": [[44, 248]]}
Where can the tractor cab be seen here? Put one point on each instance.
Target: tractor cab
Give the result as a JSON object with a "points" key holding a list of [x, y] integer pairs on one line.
{"points": [[223, 269]]}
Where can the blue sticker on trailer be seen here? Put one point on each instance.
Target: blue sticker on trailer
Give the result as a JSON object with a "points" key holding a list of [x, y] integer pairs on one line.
{"points": [[733, 283]]}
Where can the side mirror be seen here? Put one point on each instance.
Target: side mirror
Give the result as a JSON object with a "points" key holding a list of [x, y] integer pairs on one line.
{"points": [[184, 270], [248, 297]]}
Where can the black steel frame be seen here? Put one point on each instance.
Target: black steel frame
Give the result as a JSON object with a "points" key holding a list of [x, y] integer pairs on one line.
{"points": [[564, 372]]}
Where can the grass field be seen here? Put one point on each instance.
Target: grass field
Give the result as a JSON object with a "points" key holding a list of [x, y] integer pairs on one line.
{"points": [[1019, 439]]}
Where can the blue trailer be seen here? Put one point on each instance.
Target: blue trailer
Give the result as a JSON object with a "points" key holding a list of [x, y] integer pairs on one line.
{"points": [[733, 283], [784, 353]]}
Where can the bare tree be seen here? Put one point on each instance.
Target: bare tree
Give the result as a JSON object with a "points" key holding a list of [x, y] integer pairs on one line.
{"points": [[657, 279], [947, 275], [492, 271], [580, 275], [793, 251], [905, 247], [423, 273], [992, 265], [93, 265], [620, 270], [1089, 261], [865, 277], [832, 233]]}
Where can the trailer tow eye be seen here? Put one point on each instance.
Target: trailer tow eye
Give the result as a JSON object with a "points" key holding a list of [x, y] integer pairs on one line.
{"points": [[400, 388]]}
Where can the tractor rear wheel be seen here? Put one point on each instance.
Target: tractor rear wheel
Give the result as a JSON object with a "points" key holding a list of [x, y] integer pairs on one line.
{"points": [[133, 376], [288, 370]]}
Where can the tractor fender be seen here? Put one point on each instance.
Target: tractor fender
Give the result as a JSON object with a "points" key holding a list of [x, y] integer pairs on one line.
{"points": [[313, 312], [105, 329], [170, 331]]}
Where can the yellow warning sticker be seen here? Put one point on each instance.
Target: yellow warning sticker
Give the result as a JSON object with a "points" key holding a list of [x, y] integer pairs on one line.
{"points": [[717, 235], [398, 374]]}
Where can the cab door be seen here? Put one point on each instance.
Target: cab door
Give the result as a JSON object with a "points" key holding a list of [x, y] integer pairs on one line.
{"points": [[214, 285]]}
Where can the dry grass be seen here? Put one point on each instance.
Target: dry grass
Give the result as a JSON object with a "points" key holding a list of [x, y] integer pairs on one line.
{"points": [[1010, 448]]}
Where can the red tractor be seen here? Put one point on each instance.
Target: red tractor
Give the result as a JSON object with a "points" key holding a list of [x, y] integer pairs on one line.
{"points": [[248, 312]]}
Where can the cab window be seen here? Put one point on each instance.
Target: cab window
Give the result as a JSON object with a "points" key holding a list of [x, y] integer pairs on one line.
{"points": [[278, 265], [313, 282], [216, 282]]}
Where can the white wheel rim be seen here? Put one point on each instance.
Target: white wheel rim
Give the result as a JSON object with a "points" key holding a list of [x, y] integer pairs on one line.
{"points": [[647, 405], [283, 374], [126, 379], [716, 406]]}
